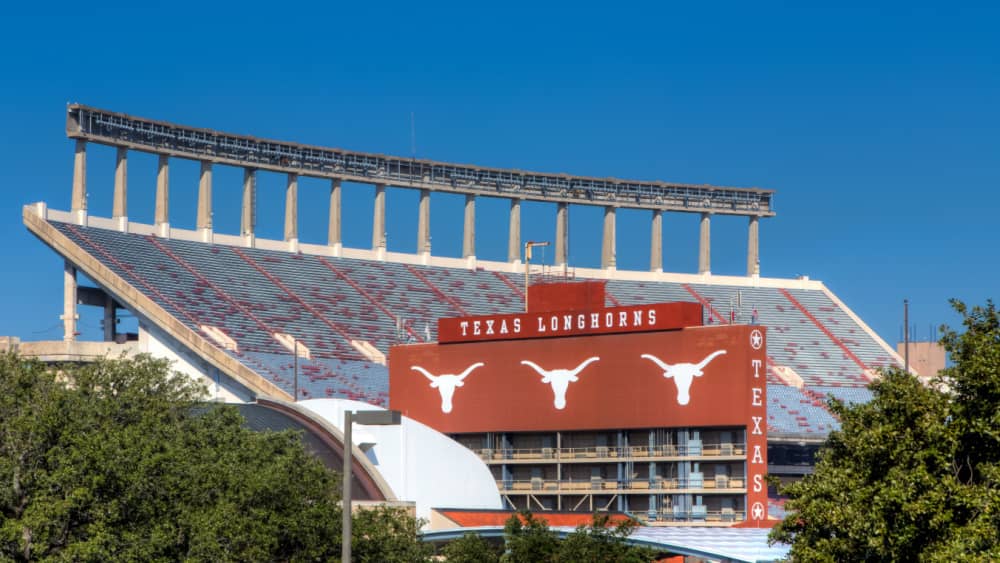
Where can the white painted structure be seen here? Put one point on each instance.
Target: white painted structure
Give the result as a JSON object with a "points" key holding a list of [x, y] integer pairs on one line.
{"points": [[419, 463]]}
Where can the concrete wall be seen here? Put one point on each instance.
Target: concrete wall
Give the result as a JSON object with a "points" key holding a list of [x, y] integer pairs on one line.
{"points": [[926, 358], [220, 386]]}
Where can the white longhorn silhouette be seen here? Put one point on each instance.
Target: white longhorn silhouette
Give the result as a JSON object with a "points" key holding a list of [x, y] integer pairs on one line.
{"points": [[559, 378], [683, 374], [447, 382]]}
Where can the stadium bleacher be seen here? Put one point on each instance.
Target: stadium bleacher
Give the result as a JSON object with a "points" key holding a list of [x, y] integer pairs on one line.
{"points": [[331, 303]]}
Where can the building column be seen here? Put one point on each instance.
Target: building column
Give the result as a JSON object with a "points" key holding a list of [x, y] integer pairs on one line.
{"points": [[424, 223], [469, 232], [656, 242], [608, 245], [110, 319], [514, 237], [205, 201], [248, 213], [69, 316], [705, 245], [378, 221], [333, 238], [119, 207], [292, 210], [562, 233], [162, 214], [79, 199], [753, 247]]}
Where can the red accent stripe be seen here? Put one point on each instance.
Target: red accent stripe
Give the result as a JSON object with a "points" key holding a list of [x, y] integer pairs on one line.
{"points": [[357, 287], [333, 326], [704, 302], [509, 283], [435, 289], [823, 328], [183, 263], [611, 298]]}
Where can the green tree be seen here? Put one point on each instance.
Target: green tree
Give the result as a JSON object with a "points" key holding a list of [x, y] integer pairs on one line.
{"points": [[470, 548], [530, 540], [915, 473], [118, 461], [603, 541], [383, 534]]}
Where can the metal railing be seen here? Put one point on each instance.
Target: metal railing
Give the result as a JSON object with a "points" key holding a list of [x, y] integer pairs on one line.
{"points": [[613, 452]]}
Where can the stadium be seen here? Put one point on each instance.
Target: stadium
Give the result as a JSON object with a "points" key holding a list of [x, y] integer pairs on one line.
{"points": [[287, 322]]}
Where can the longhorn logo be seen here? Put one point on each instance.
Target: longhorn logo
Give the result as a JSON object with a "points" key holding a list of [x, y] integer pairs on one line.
{"points": [[559, 378], [683, 374], [447, 382]]}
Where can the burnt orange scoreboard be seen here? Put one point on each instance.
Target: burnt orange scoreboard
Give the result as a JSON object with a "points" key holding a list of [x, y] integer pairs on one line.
{"points": [[640, 366]]}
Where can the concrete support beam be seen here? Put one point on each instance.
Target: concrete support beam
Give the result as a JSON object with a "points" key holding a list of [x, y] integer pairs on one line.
{"points": [[110, 319], [161, 217], [204, 223], [608, 244], [119, 207], [424, 223], [469, 232], [562, 234], [378, 221], [753, 247], [79, 199], [656, 242], [69, 316], [248, 210], [705, 245], [292, 209], [334, 234], [514, 237]]}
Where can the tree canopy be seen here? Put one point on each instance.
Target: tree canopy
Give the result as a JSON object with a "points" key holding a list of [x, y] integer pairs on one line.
{"points": [[529, 540], [915, 473], [120, 460]]}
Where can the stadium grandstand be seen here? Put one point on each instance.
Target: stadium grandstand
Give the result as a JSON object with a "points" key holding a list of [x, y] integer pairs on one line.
{"points": [[284, 320]]}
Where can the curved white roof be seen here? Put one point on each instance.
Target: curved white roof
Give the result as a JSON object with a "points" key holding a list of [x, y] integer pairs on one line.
{"points": [[419, 463]]}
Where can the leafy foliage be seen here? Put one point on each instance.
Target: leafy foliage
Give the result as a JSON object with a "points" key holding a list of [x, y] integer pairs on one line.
{"points": [[111, 461], [384, 534], [915, 473], [470, 548], [531, 541]]}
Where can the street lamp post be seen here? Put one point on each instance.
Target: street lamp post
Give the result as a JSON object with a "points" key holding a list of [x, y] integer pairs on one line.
{"points": [[368, 418], [527, 266]]}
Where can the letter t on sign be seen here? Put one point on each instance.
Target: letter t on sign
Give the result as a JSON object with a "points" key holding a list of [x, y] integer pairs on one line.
{"points": [[756, 368]]}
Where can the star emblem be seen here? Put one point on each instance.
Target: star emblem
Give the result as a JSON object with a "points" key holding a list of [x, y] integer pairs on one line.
{"points": [[756, 339], [757, 511]]}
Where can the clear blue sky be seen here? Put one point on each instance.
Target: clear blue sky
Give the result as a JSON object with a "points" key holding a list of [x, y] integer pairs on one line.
{"points": [[878, 125]]}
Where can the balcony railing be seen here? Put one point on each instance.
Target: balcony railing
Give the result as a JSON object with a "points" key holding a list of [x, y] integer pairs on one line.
{"points": [[613, 452], [665, 485]]}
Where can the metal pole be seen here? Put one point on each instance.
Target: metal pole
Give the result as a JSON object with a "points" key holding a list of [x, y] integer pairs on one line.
{"points": [[345, 540], [527, 267], [295, 363], [906, 335]]}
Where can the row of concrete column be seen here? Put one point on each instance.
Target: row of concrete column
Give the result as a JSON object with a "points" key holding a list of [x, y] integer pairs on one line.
{"points": [[379, 230]]}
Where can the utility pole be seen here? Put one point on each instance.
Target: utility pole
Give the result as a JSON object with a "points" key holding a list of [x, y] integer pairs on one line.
{"points": [[295, 364]]}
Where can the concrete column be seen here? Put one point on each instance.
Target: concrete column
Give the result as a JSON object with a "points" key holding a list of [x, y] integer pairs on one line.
{"points": [[292, 209], [334, 239], [705, 245], [424, 223], [79, 200], [378, 222], [110, 318], [562, 233], [205, 198], [753, 247], [656, 242], [514, 238], [608, 245], [119, 207], [469, 233], [248, 214], [162, 213], [69, 316]]}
